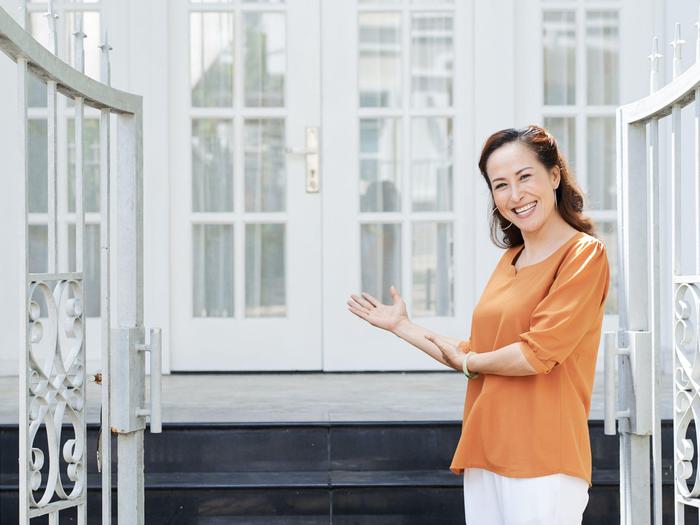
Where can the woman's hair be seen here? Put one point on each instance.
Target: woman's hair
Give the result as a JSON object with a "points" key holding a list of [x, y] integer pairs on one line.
{"points": [[570, 198]]}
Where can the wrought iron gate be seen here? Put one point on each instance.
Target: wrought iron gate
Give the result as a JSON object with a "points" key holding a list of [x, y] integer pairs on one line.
{"points": [[52, 375], [636, 347]]}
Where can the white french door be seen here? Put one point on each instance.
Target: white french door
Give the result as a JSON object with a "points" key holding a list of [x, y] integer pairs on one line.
{"points": [[262, 267], [245, 233]]}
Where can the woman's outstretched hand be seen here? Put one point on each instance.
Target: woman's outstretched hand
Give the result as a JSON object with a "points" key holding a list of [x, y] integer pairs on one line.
{"points": [[385, 316]]}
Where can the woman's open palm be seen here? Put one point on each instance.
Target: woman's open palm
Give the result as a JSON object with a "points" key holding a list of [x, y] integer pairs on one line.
{"points": [[385, 316]]}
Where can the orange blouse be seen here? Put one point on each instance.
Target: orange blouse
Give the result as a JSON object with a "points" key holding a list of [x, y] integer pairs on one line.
{"points": [[535, 425]]}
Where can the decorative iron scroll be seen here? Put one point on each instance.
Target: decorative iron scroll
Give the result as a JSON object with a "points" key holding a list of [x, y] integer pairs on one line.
{"points": [[56, 381], [686, 384]]}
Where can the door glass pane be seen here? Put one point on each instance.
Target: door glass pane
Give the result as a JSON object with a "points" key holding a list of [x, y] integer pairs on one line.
{"points": [[38, 165], [211, 59], [607, 231], [38, 242], [601, 163], [212, 165], [559, 48], [379, 59], [212, 270], [265, 177], [265, 59], [91, 165], [602, 57], [381, 259], [265, 290], [91, 42], [564, 130], [36, 89], [432, 1], [431, 59], [432, 269], [380, 164], [91, 270], [431, 164]]}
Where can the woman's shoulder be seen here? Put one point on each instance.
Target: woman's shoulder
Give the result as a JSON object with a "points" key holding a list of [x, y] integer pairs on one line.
{"points": [[586, 248]]}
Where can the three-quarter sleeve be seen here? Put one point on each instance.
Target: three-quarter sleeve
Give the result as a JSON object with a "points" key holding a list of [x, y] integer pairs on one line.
{"points": [[570, 309]]}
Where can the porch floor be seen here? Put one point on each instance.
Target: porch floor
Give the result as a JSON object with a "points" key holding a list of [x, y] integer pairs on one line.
{"points": [[306, 397]]}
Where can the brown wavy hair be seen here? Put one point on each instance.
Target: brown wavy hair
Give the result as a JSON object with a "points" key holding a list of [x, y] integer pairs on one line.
{"points": [[570, 197]]}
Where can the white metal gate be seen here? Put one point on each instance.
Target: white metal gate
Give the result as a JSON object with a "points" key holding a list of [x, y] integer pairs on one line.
{"points": [[52, 375], [636, 347]]}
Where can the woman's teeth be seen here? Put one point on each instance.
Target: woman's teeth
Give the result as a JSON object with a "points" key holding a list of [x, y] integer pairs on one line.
{"points": [[525, 211]]}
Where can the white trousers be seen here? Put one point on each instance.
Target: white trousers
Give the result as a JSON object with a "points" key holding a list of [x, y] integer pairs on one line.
{"points": [[492, 499]]}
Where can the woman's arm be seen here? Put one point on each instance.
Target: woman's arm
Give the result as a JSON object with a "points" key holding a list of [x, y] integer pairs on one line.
{"points": [[416, 335], [506, 361]]}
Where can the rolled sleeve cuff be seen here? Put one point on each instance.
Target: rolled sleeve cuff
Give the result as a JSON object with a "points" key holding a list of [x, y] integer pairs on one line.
{"points": [[530, 353]]}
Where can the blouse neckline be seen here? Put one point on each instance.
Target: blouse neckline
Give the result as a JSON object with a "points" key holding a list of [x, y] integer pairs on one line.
{"points": [[516, 271]]}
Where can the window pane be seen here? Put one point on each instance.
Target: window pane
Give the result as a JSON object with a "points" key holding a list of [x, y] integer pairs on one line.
{"points": [[211, 59], [91, 165], [212, 270], [212, 165], [91, 28], [91, 270], [38, 248], [602, 60], [432, 58], [265, 177], [380, 164], [564, 130], [381, 259], [265, 291], [559, 47], [379, 59], [265, 59], [607, 231], [38, 165], [431, 164], [601, 163], [431, 1], [433, 270]]}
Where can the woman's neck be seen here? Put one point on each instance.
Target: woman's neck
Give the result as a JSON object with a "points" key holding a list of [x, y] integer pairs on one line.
{"points": [[540, 243]]}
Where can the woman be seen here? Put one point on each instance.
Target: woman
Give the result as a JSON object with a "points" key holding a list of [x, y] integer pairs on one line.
{"points": [[524, 449]]}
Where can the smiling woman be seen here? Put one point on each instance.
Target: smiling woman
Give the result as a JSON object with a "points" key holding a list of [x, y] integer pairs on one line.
{"points": [[534, 341]]}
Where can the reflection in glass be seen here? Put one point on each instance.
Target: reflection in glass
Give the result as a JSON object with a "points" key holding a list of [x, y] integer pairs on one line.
{"points": [[432, 269], [91, 165], [212, 165], [601, 163], [431, 164], [211, 59], [602, 57], [91, 43], [265, 177], [607, 231], [38, 165], [38, 242], [212, 270], [38, 27], [381, 259], [379, 59], [432, 59], [559, 47], [265, 292], [91, 270], [265, 59], [380, 164], [564, 130]]}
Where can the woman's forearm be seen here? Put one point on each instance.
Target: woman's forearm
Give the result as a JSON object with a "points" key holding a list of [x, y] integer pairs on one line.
{"points": [[415, 335], [506, 361]]}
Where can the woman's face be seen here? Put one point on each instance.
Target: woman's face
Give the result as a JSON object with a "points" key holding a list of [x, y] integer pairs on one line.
{"points": [[519, 181]]}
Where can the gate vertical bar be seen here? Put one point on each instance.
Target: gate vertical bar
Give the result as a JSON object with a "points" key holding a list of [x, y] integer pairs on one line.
{"points": [[654, 255], [106, 296], [24, 260]]}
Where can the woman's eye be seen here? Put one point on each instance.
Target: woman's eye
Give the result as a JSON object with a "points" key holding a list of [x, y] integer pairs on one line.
{"points": [[526, 175], [500, 186]]}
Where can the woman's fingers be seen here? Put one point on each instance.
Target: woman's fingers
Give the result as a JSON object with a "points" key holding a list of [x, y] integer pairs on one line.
{"points": [[361, 302], [371, 299], [359, 313]]}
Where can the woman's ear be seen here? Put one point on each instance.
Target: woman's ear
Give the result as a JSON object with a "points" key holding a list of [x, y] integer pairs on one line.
{"points": [[556, 177]]}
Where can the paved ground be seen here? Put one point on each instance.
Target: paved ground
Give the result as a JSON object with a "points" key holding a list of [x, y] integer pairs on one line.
{"points": [[429, 396]]}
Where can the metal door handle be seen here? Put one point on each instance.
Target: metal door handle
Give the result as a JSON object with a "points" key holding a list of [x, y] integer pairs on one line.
{"points": [[312, 159]]}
